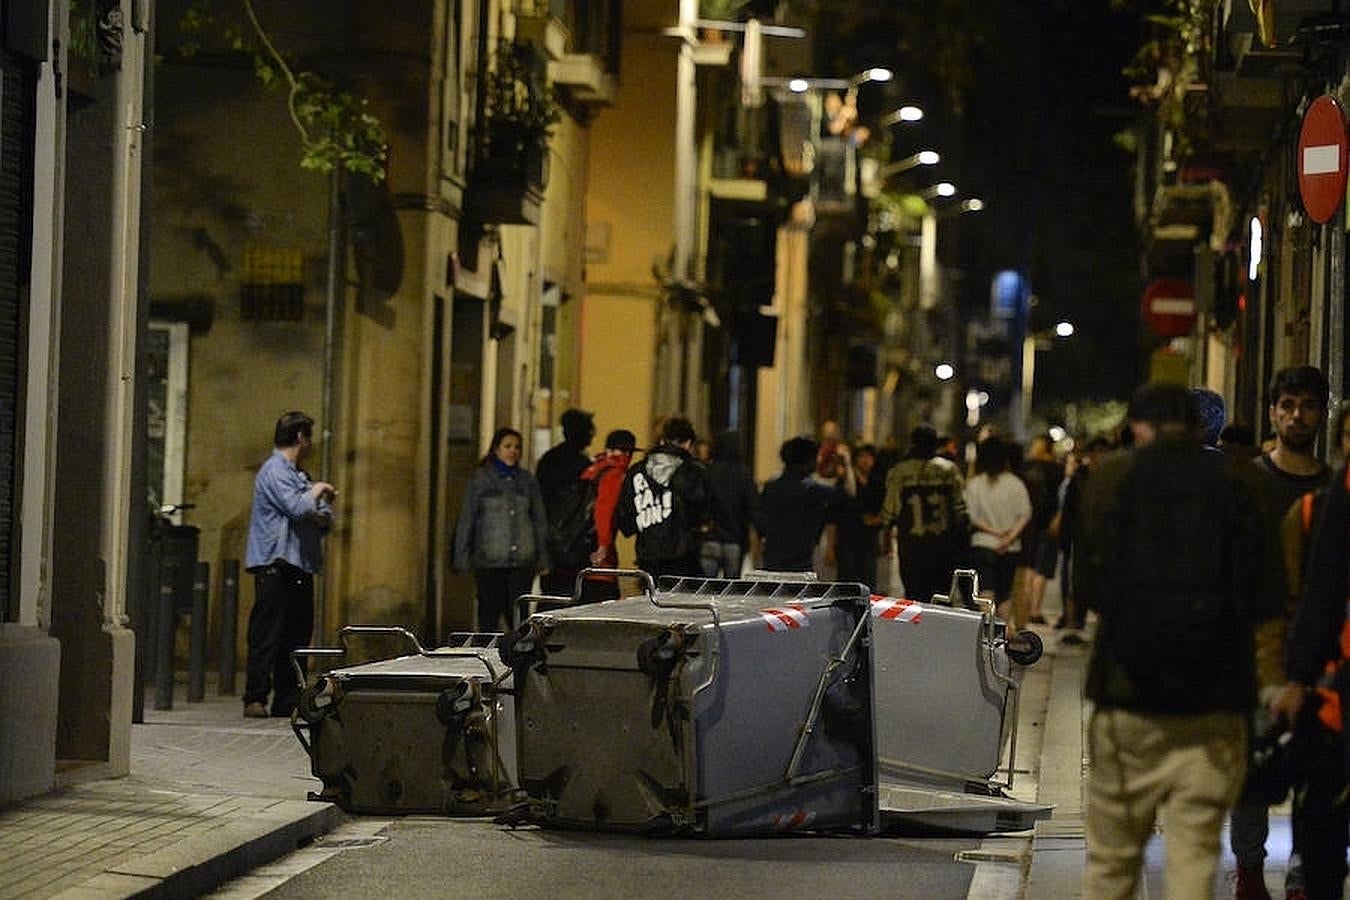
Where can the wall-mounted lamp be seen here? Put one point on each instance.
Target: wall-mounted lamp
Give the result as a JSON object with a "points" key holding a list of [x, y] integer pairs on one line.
{"points": [[906, 113], [941, 189], [800, 84], [922, 158]]}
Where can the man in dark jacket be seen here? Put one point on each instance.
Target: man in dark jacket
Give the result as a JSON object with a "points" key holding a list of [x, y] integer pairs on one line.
{"points": [[664, 501], [733, 501], [559, 476], [1174, 541], [794, 510]]}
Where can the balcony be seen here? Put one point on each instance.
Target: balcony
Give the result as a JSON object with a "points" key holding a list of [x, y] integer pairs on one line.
{"points": [[580, 42], [507, 181]]}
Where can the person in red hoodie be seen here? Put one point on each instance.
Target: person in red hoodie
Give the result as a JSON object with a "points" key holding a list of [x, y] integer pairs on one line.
{"points": [[606, 477]]}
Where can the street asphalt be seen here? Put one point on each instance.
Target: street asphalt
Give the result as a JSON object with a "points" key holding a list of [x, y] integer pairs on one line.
{"points": [[217, 802]]}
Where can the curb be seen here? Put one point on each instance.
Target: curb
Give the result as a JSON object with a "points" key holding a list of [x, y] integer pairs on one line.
{"points": [[201, 864]]}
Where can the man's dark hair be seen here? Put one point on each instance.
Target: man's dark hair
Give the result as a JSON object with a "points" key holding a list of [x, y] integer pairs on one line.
{"points": [[1210, 409], [621, 439], [290, 427], [578, 426], [1163, 404], [923, 441], [1295, 380], [991, 456], [798, 451], [677, 430]]}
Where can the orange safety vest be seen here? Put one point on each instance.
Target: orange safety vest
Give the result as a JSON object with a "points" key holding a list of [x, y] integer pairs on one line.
{"points": [[1329, 713]]}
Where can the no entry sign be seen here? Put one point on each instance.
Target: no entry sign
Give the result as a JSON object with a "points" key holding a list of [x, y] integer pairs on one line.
{"points": [[1322, 159], [1169, 307]]}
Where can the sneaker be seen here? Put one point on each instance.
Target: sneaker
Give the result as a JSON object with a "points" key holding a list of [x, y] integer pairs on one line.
{"points": [[255, 711], [1037, 619], [1073, 639], [1251, 885]]}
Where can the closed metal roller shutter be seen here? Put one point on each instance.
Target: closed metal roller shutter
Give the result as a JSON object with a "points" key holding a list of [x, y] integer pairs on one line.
{"points": [[16, 143]]}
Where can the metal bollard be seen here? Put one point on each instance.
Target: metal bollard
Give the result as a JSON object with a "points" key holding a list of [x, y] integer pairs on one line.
{"points": [[165, 626], [229, 624], [201, 579]]}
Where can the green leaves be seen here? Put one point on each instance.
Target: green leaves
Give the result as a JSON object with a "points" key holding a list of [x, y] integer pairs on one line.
{"points": [[336, 128]]}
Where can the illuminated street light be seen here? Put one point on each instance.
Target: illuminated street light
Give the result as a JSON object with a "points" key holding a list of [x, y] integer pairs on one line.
{"points": [[906, 113], [1033, 341], [941, 189], [800, 84], [876, 73], [944, 371], [914, 160], [974, 204]]}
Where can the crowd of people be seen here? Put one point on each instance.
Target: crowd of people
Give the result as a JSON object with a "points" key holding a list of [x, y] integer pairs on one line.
{"points": [[1216, 570]]}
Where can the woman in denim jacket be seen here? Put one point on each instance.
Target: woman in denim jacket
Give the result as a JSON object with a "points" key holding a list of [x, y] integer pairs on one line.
{"points": [[502, 530]]}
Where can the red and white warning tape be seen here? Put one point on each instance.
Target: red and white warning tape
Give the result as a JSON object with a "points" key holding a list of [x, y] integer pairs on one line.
{"points": [[785, 618], [896, 609]]}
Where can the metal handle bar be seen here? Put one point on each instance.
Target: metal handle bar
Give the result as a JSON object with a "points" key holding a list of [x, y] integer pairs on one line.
{"points": [[396, 630]]}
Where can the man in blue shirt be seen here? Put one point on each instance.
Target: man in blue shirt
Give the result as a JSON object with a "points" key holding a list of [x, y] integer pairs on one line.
{"points": [[291, 515]]}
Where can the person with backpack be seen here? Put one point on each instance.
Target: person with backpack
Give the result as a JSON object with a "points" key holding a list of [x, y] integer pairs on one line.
{"points": [[1316, 536], [604, 479], [559, 475], [1297, 402], [664, 502], [1181, 568]]}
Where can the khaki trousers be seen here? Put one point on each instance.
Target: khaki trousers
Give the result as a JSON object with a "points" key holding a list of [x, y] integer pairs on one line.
{"points": [[1183, 772]]}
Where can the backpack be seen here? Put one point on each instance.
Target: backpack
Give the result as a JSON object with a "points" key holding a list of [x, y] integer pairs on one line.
{"points": [[571, 526], [1181, 546]]}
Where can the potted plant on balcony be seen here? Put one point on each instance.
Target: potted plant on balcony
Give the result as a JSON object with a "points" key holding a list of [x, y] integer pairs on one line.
{"points": [[519, 112]]}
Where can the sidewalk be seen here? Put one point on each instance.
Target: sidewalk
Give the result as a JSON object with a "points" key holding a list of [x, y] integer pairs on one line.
{"points": [[210, 796]]}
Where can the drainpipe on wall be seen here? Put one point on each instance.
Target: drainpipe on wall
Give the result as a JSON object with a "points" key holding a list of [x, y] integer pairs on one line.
{"points": [[333, 297]]}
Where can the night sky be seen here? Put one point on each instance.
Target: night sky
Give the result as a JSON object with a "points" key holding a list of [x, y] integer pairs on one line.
{"points": [[1024, 101]]}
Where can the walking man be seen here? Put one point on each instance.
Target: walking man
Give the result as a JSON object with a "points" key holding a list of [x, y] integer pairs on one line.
{"points": [[1297, 407], [664, 501], [559, 476], [291, 515], [1174, 543], [926, 509], [794, 511]]}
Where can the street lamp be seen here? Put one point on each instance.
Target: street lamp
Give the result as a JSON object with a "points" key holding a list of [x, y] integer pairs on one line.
{"points": [[906, 113], [800, 84], [914, 160], [1036, 340], [941, 189]]}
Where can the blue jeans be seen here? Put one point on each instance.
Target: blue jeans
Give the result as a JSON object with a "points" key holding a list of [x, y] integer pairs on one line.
{"points": [[718, 558]]}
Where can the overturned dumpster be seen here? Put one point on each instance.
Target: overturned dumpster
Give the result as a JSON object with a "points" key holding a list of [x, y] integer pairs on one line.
{"points": [[946, 708], [427, 731], [705, 706]]}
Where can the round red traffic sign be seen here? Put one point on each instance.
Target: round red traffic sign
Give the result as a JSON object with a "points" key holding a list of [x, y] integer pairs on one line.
{"points": [[1322, 159], [1169, 306]]}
